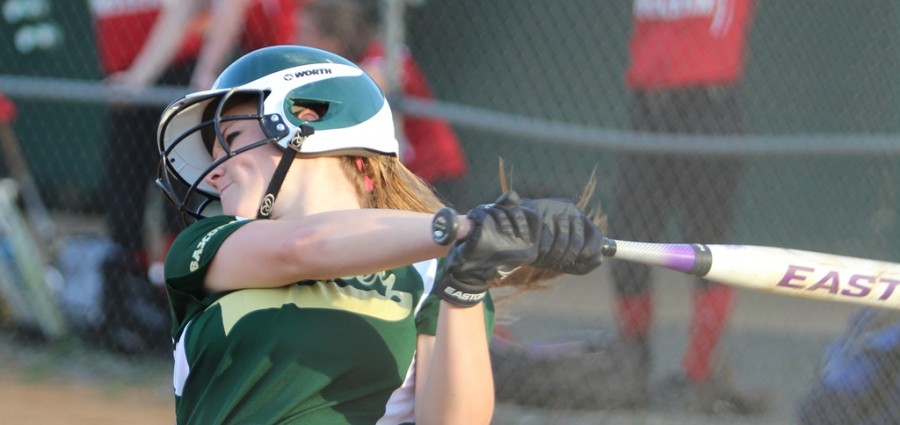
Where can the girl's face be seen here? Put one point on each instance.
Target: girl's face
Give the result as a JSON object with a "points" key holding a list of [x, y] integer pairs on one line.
{"points": [[242, 179]]}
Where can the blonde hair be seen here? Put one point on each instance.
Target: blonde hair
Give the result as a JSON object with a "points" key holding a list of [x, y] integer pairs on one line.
{"points": [[393, 185]]}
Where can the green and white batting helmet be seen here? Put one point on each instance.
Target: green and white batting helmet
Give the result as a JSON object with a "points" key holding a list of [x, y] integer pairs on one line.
{"points": [[355, 118]]}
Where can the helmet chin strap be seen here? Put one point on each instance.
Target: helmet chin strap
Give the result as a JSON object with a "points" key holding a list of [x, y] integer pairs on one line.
{"points": [[287, 158]]}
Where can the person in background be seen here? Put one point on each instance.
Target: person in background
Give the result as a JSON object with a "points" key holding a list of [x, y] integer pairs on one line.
{"points": [[137, 47], [430, 147], [7, 109], [857, 380], [329, 244], [686, 65], [8, 112], [242, 26], [171, 43]]}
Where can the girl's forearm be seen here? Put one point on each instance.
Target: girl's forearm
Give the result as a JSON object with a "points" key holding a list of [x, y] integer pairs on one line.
{"points": [[324, 246], [459, 386]]}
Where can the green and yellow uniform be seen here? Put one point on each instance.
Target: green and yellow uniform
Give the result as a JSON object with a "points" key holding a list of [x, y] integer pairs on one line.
{"points": [[316, 352]]}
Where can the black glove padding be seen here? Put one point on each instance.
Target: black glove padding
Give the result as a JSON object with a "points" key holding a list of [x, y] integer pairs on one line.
{"points": [[504, 237], [570, 242]]}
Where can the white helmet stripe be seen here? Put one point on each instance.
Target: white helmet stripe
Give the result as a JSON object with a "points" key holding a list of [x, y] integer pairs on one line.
{"points": [[378, 133]]}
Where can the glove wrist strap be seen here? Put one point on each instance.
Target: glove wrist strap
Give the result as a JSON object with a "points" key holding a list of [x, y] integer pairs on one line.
{"points": [[451, 292]]}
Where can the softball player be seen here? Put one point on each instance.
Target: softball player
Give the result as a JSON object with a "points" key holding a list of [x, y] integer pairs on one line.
{"points": [[315, 294]]}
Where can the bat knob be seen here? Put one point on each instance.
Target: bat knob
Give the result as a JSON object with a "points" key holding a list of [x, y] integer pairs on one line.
{"points": [[608, 247]]}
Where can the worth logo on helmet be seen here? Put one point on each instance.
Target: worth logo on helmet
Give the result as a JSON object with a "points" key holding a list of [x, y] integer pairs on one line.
{"points": [[307, 73]]}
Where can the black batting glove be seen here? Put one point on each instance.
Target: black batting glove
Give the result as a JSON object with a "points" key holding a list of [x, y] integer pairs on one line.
{"points": [[504, 236], [570, 242]]}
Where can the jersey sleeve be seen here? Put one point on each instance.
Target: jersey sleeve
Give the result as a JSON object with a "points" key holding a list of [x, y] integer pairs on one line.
{"points": [[426, 320], [188, 260]]}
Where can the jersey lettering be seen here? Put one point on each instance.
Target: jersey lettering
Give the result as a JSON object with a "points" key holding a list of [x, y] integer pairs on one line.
{"points": [[195, 256], [404, 299], [674, 9], [121, 7]]}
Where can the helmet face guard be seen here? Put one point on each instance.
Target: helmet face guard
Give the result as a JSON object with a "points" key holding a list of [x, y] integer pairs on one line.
{"points": [[355, 118]]}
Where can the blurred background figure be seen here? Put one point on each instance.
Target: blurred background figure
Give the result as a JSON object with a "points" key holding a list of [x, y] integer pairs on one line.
{"points": [[158, 43], [241, 26], [7, 109], [685, 67], [430, 148], [857, 380], [139, 44]]}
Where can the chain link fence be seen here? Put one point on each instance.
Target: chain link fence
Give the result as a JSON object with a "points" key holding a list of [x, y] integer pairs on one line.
{"points": [[542, 85]]}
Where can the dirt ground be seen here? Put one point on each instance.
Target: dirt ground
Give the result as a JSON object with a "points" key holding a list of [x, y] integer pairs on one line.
{"points": [[69, 383], [61, 402]]}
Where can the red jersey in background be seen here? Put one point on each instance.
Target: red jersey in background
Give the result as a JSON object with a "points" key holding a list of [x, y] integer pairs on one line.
{"points": [[7, 109], [671, 43], [122, 26], [268, 23], [436, 151]]}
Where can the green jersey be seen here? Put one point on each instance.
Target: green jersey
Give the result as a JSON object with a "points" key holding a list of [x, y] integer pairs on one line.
{"points": [[336, 351]]}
